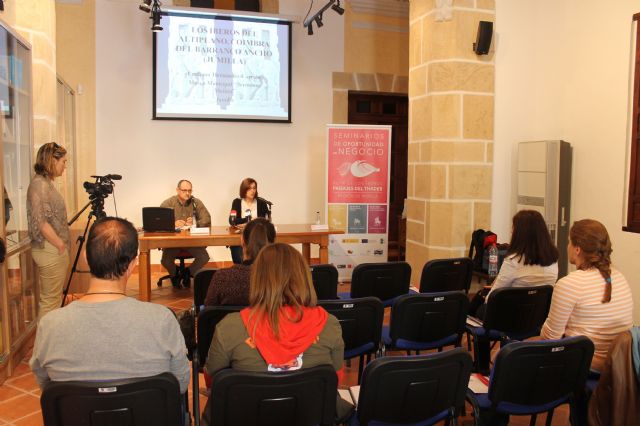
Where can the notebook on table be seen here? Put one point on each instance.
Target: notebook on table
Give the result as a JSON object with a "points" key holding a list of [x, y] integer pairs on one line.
{"points": [[158, 219]]}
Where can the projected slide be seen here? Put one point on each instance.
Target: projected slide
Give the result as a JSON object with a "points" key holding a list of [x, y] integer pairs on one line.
{"points": [[220, 67]]}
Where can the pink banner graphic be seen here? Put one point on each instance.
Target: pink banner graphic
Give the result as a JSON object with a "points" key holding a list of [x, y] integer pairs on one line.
{"points": [[377, 219], [358, 165]]}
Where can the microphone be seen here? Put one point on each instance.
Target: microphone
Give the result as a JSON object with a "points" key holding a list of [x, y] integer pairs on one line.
{"points": [[267, 202], [232, 218], [109, 177]]}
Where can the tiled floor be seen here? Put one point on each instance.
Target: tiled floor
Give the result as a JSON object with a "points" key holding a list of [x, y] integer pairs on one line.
{"points": [[20, 395]]}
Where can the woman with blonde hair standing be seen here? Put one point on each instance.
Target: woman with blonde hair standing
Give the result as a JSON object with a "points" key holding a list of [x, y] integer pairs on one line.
{"points": [[48, 229], [595, 300]]}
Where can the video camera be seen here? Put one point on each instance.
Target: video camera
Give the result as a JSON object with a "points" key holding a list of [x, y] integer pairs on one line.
{"points": [[99, 190]]}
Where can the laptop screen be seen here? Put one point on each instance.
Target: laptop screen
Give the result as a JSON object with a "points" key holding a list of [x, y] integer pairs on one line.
{"points": [[158, 219]]}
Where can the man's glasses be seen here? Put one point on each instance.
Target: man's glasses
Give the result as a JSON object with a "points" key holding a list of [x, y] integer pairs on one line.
{"points": [[189, 191]]}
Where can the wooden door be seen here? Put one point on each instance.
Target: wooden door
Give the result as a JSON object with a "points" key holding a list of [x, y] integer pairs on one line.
{"points": [[388, 109]]}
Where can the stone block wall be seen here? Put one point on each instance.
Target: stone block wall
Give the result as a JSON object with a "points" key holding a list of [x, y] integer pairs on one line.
{"points": [[451, 103]]}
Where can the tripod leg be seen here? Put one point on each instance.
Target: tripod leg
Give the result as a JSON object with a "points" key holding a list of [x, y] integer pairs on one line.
{"points": [[80, 240]]}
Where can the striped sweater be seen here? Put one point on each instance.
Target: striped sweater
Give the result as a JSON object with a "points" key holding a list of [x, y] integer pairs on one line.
{"points": [[577, 309]]}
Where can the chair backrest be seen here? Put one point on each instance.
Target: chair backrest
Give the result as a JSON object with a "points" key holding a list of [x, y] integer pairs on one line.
{"points": [[382, 280], [361, 321], [301, 398], [325, 281], [415, 388], [201, 282], [446, 275], [535, 373], [427, 318], [518, 312], [152, 400], [208, 318]]}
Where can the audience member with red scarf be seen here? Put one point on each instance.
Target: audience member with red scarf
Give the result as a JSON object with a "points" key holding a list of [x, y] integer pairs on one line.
{"points": [[282, 329]]}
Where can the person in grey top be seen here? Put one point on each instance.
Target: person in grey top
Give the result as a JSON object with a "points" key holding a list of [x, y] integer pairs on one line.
{"points": [[186, 207], [106, 335], [48, 229]]}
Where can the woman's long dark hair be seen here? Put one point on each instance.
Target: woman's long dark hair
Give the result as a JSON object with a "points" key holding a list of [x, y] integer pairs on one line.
{"points": [[530, 239], [257, 234]]}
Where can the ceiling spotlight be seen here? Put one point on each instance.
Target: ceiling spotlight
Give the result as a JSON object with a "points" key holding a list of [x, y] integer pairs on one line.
{"points": [[155, 17], [310, 28], [145, 6], [339, 10], [319, 21]]}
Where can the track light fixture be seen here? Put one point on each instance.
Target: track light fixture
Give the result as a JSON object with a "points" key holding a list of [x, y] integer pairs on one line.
{"points": [[145, 6], [152, 7], [339, 10], [317, 17]]}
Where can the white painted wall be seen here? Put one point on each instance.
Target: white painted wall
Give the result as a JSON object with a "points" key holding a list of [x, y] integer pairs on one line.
{"points": [[562, 72], [287, 160]]}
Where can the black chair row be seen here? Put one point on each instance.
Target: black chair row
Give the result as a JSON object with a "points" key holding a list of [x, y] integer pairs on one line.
{"points": [[389, 280], [528, 378]]}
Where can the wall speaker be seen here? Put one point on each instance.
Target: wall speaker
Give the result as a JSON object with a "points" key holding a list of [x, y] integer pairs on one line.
{"points": [[483, 39]]}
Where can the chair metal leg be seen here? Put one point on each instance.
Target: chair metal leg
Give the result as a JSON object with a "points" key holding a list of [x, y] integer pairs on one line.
{"points": [[196, 388], [549, 417], [532, 422], [360, 368]]}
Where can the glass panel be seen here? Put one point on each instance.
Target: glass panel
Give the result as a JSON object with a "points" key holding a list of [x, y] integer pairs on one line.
{"points": [[66, 137], [363, 107], [15, 116], [389, 108]]}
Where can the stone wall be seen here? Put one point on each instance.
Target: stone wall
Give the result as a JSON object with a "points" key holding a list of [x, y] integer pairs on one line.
{"points": [[451, 104]]}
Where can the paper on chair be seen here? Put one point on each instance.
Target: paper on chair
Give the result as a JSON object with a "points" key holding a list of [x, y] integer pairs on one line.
{"points": [[355, 394], [478, 383], [346, 395]]}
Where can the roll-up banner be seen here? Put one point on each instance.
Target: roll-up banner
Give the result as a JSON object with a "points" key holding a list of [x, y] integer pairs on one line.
{"points": [[358, 166]]}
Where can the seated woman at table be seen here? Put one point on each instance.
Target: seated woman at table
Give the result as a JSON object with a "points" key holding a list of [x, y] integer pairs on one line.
{"points": [[282, 329], [531, 260], [230, 286], [593, 301], [248, 206]]}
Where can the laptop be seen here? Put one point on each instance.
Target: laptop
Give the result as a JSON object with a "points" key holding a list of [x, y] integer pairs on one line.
{"points": [[158, 219]]}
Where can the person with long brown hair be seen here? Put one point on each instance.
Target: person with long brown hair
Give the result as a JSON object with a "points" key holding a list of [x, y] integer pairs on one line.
{"points": [[48, 228], [595, 300], [531, 260], [246, 207], [283, 329], [230, 286]]}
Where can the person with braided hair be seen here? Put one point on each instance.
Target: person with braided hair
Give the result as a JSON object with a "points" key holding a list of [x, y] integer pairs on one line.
{"points": [[595, 300]]}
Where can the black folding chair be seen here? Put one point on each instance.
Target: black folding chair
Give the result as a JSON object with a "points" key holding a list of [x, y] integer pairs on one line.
{"points": [[361, 322], [201, 282], [426, 321], [446, 275], [421, 389], [303, 398], [140, 401], [534, 377], [386, 281], [208, 319], [325, 281], [515, 313]]}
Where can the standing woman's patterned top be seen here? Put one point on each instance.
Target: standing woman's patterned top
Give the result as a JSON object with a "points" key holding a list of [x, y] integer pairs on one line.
{"points": [[45, 204]]}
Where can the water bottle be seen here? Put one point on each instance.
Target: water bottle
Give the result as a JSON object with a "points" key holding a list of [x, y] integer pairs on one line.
{"points": [[317, 218], [493, 260], [247, 215]]}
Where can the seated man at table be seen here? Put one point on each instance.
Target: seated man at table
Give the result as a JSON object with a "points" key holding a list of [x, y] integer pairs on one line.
{"points": [[186, 207], [106, 335]]}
